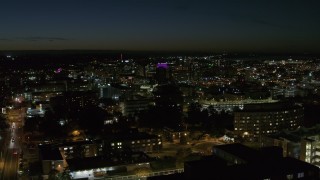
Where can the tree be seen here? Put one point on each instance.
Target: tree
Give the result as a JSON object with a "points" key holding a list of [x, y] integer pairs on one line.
{"points": [[53, 174], [56, 175], [92, 119], [31, 124], [50, 127], [194, 113], [64, 175], [159, 117], [3, 123]]}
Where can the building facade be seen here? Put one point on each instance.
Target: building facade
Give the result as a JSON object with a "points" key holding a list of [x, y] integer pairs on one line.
{"points": [[264, 119], [303, 144], [310, 150], [136, 141]]}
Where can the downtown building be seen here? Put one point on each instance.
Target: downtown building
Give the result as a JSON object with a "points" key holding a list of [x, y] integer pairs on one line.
{"points": [[310, 150], [105, 158], [134, 141], [135, 104], [303, 144], [256, 120], [236, 161]]}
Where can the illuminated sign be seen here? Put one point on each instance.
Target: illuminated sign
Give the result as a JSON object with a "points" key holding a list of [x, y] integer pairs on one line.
{"points": [[58, 70], [162, 65]]}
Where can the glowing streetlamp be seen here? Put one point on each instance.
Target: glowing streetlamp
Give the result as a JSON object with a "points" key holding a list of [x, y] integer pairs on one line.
{"points": [[75, 133]]}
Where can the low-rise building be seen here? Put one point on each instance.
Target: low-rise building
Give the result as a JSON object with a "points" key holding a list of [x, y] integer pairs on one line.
{"points": [[135, 141], [101, 166], [51, 159], [79, 149]]}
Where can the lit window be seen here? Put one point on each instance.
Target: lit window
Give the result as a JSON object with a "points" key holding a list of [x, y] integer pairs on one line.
{"points": [[290, 176], [301, 175]]}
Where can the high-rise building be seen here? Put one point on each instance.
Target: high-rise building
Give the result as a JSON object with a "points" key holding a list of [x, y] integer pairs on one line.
{"points": [[163, 73]]}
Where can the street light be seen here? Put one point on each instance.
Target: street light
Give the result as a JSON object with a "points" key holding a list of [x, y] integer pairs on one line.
{"points": [[75, 133]]}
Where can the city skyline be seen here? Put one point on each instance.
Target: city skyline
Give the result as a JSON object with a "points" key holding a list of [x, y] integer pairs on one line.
{"points": [[205, 26]]}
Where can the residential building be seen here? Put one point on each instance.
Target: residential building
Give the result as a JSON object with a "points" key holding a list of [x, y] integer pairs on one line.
{"points": [[263, 119]]}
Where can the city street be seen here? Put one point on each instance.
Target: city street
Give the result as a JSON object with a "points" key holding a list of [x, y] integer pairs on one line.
{"points": [[11, 154], [11, 145]]}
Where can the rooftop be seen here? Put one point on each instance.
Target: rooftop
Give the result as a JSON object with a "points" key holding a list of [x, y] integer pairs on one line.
{"points": [[128, 136], [241, 151], [266, 166], [47, 152], [77, 164]]}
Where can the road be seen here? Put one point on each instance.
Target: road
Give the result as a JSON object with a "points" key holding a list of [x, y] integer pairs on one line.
{"points": [[11, 151], [11, 155], [10, 166]]}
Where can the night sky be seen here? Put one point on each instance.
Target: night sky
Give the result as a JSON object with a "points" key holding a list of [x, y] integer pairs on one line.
{"points": [[161, 25]]}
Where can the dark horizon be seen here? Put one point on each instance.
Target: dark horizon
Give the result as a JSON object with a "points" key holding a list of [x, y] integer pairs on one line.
{"points": [[151, 53], [196, 26]]}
